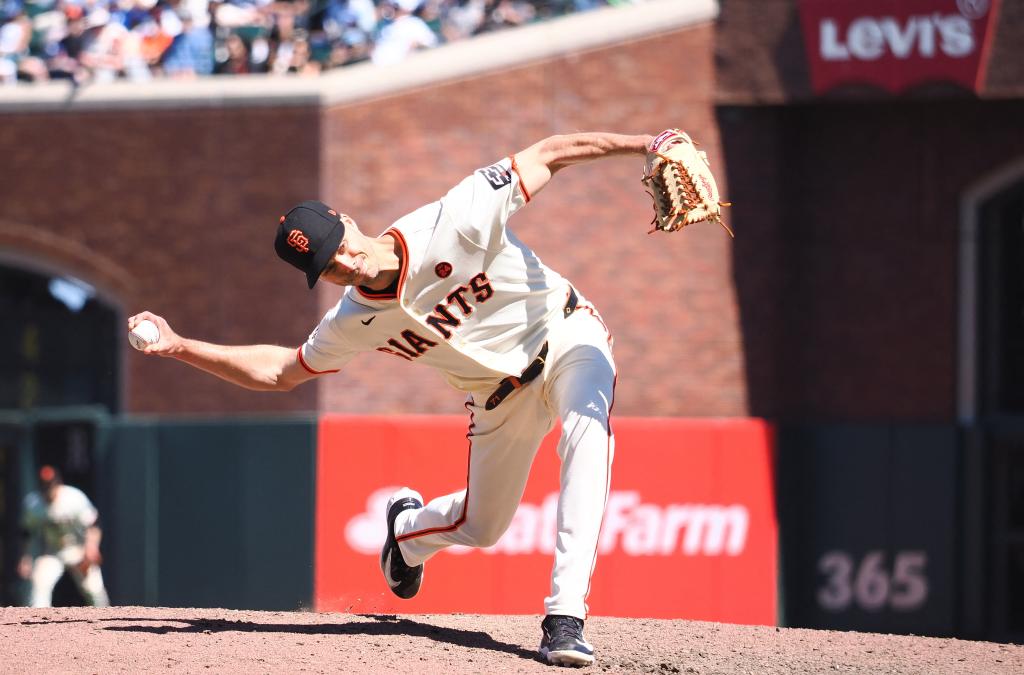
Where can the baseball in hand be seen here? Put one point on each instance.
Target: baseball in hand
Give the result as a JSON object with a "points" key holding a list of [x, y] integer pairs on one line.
{"points": [[144, 333]]}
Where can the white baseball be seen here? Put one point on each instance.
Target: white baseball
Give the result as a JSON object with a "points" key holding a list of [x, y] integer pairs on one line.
{"points": [[144, 333]]}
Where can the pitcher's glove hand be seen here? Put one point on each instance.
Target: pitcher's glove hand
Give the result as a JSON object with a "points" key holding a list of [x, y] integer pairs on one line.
{"points": [[678, 178]]}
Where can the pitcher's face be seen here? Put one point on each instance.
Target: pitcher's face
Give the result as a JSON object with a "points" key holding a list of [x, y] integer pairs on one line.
{"points": [[353, 263]]}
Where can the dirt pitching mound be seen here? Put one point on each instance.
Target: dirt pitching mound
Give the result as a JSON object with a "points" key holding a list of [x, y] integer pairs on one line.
{"points": [[134, 639]]}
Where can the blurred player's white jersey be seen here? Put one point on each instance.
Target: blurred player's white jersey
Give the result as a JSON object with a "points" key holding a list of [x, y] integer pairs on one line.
{"points": [[472, 300], [61, 524], [59, 528]]}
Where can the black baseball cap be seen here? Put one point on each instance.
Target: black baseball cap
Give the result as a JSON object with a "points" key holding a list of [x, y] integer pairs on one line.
{"points": [[308, 237]]}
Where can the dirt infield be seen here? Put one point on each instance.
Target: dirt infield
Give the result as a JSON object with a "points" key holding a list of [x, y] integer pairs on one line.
{"points": [[134, 639]]}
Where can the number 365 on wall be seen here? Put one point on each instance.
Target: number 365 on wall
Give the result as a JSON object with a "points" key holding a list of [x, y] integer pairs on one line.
{"points": [[871, 585]]}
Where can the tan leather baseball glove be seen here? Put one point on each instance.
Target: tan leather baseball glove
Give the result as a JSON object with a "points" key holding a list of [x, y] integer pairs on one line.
{"points": [[678, 177]]}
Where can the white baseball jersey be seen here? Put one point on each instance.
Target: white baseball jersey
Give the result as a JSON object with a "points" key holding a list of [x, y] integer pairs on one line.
{"points": [[472, 300], [61, 524]]}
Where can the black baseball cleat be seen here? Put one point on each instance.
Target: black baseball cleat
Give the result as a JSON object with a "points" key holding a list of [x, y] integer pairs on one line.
{"points": [[563, 642], [403, 580]]}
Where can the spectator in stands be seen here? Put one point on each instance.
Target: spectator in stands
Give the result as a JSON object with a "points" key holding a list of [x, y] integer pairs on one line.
{"points": [[66, 61], [360, 14], [345, 29], [463, 19], [191, 53], [15, 38], [199, 10], [103, 48], [49, 26], [430, 12], [302, 62], [282, 40], [103, 40], [242, 14], [403, 34], [354, 46], [500, 14], [154, 41], [235, 59]]}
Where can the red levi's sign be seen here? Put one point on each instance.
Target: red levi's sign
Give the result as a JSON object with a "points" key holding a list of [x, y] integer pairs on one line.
{"points": [[689, 532], [897, 44]]}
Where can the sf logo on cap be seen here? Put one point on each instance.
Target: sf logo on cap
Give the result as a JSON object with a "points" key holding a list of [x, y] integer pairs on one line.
{"points": [[298, 241]]}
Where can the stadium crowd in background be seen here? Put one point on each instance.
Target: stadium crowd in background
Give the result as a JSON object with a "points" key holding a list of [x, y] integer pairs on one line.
{"points": [[137, 40]]}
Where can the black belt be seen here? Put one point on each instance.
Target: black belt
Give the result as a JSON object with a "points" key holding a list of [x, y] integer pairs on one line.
{"points": [[511, 383]]}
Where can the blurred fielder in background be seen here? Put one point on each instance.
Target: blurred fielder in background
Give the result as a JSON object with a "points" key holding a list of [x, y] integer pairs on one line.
{"points": [[61, 534], [449, 286]]}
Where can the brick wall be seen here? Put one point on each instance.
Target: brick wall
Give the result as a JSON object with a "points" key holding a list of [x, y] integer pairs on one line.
{"points": [[171, 211]]}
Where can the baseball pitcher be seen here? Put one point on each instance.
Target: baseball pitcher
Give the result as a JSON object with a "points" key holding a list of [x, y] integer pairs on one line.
{"points": [[450, 286]]}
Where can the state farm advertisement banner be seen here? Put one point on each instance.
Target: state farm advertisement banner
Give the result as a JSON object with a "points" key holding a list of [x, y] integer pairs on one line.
{"points": [[690, 529], [897, 44]]}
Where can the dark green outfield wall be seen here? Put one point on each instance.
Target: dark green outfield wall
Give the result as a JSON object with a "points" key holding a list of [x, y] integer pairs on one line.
{"points": [[195, 513], [870, 527], [211, 514]]}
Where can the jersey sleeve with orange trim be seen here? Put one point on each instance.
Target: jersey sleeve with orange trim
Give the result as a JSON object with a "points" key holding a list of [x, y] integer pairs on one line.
{"points": [[480, 206], [326, 350]]}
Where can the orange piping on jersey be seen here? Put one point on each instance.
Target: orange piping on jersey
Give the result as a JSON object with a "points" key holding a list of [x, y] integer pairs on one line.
{"points": [[607, 488], [305, 365], [465, 503], [401, 272], [522, 188]]}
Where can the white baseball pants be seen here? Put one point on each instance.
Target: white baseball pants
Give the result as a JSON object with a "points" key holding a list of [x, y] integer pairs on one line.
{"points": [[576, 387], [48, 569]]}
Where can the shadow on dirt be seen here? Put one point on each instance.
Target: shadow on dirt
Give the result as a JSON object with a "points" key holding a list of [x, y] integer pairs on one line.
{"points": [[378, 624]]}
